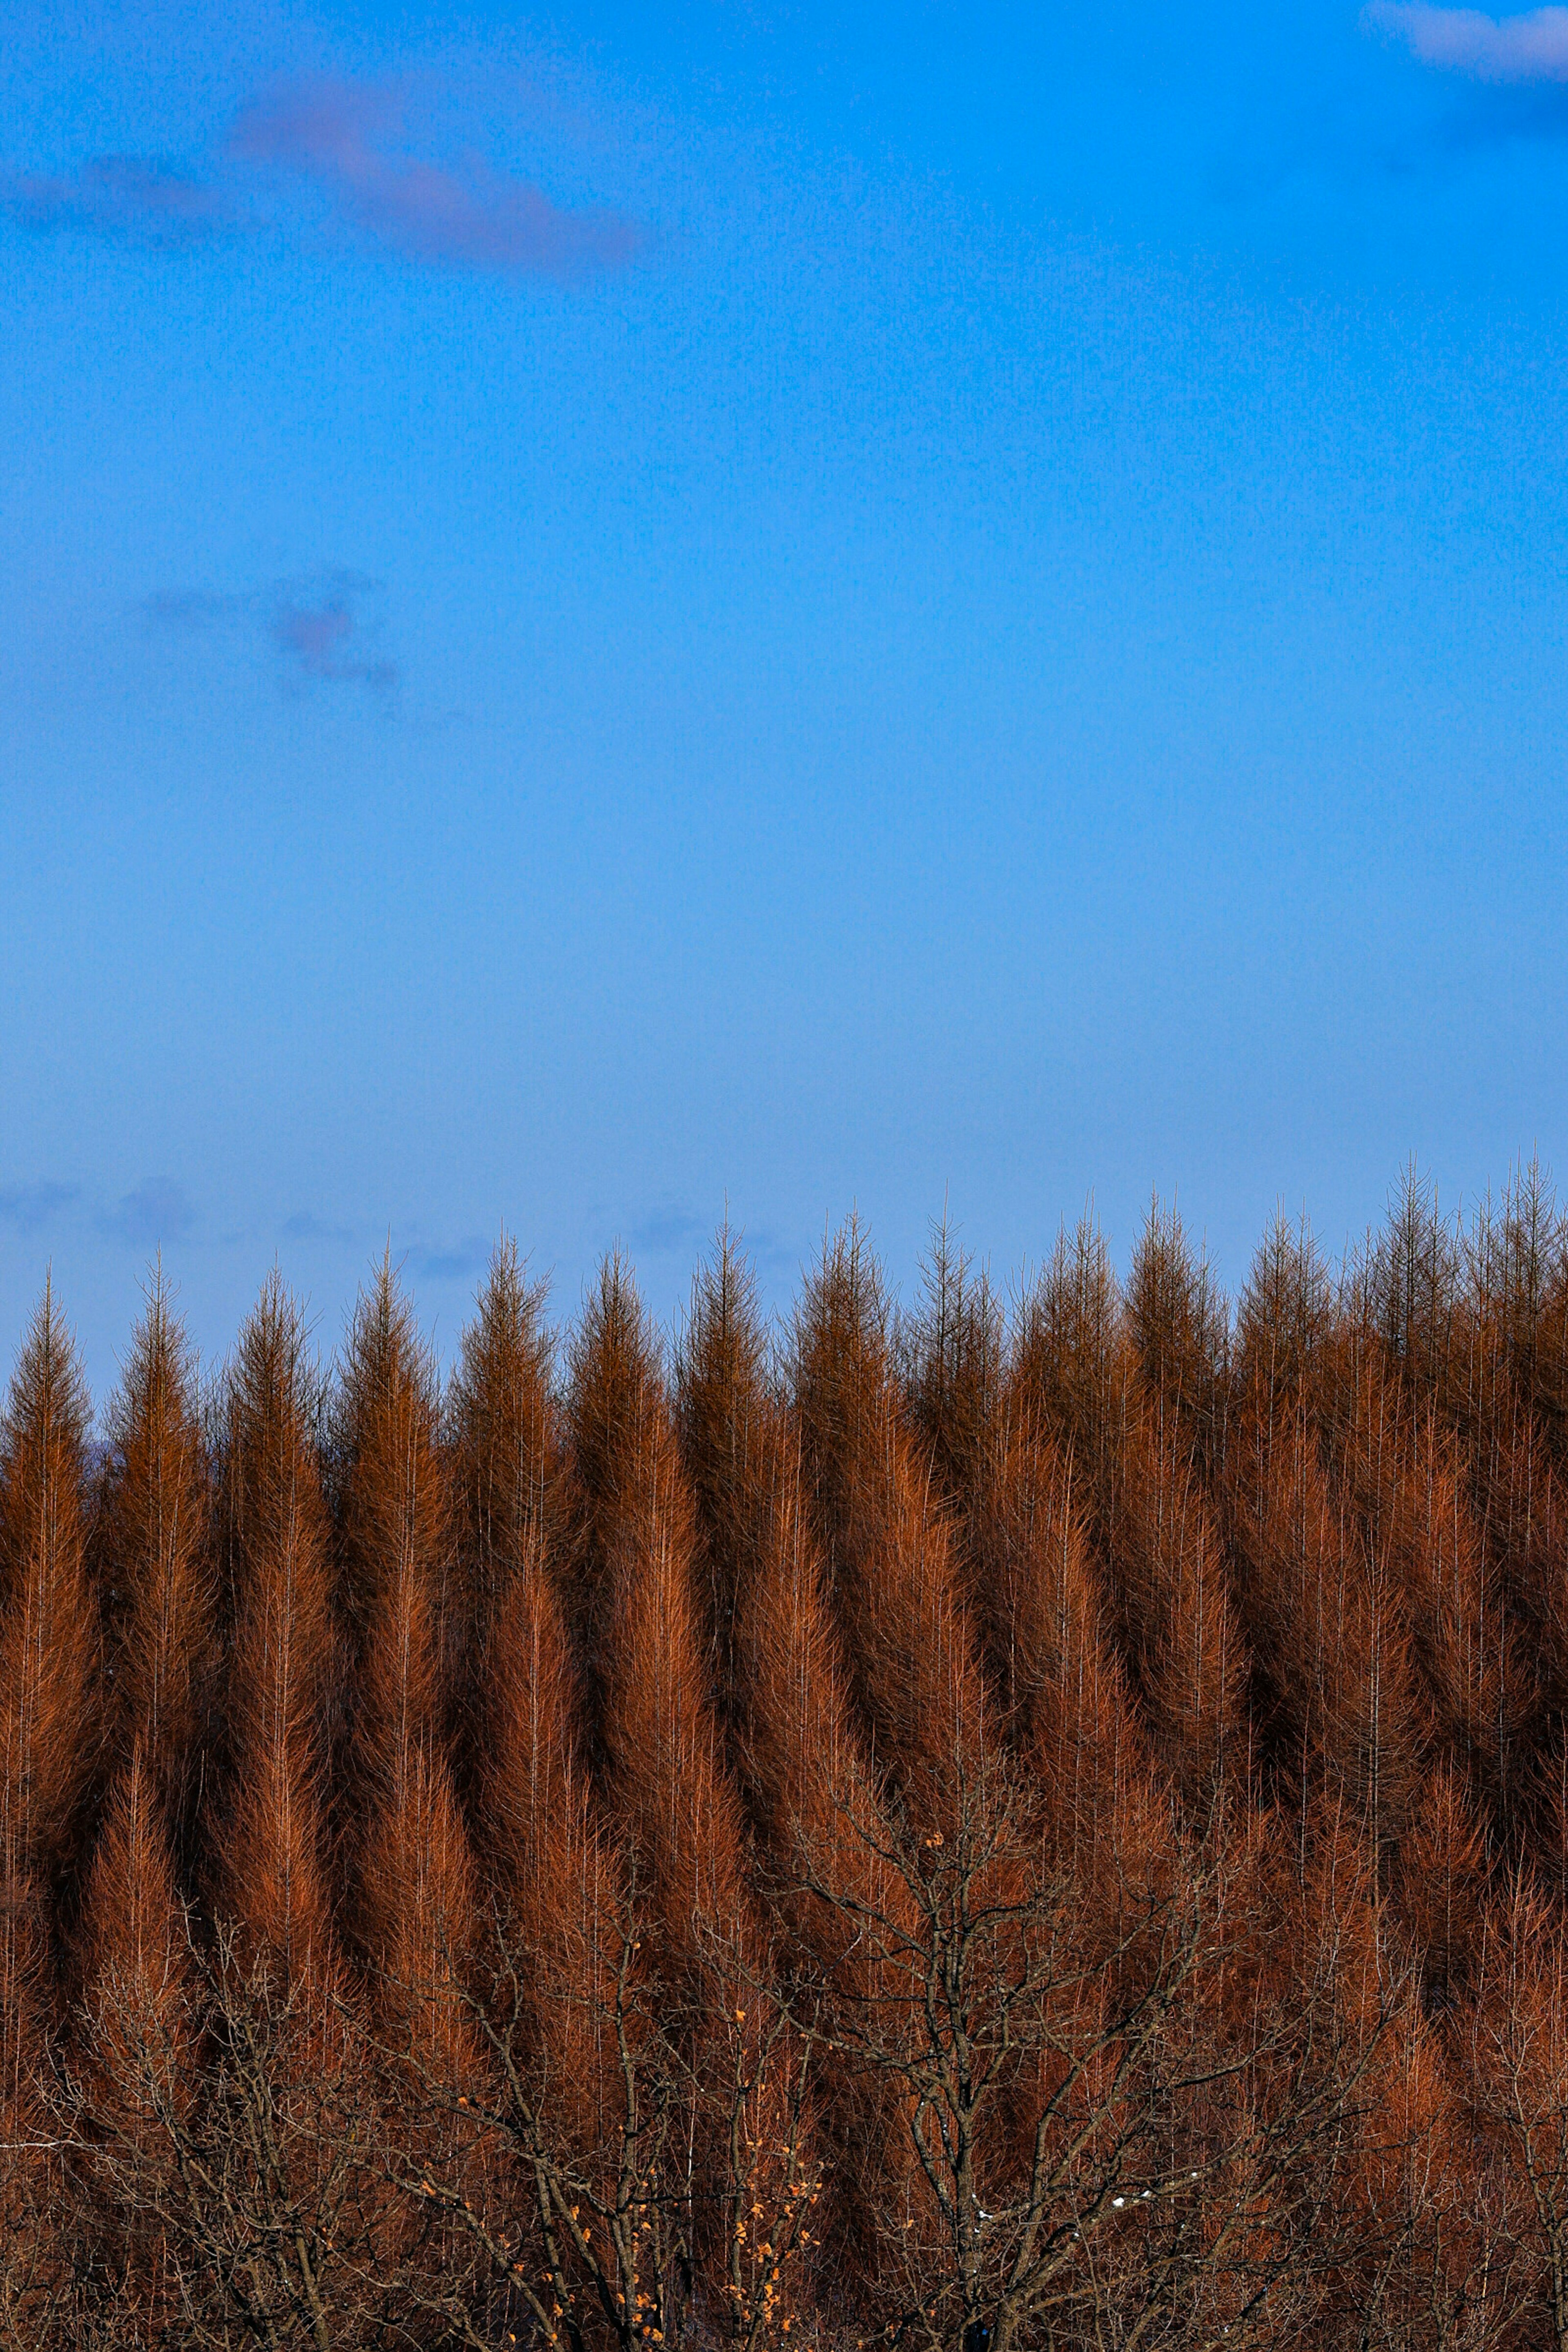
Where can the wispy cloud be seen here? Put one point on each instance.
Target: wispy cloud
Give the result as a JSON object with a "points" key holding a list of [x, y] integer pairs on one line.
{"points": [[667, 1230], [1451, 122], [124, 197], [347, 147], [675, 1232], [1528, 48], [304, 1225], [324, 629], [28, 1208], [157, 1210], [449, 1262], [324, 636], [347, 140]]}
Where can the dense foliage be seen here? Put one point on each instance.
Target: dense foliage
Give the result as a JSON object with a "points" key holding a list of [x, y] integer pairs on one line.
{"points": [[988, 1825]]}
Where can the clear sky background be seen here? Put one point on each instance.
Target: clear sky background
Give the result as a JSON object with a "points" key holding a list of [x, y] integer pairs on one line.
{"points": [[813, 606]]}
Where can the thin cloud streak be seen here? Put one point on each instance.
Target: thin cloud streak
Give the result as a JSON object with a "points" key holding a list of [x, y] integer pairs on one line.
{"points": [[157, 1210], [667, 1230], [339, 136], [455, 1262], [325, 640], [26, 1208], [1470, 121], [123, 198], [1528, 48], [344, 145], [304, 1225], [323, 628]]}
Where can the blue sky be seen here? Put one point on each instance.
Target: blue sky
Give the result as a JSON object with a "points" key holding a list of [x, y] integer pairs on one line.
{"points": [[819, 607]]}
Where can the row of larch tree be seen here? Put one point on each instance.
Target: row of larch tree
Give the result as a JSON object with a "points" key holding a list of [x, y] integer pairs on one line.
{"points": [[996, 1824]]}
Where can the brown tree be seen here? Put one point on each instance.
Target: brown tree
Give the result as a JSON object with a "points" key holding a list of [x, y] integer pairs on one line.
{"points": [[1093, 2158], [271, 1827], [641, 1622], [49, 1621], [890, 1542], [507, 1468], [156, 1561], [414, 1906]]}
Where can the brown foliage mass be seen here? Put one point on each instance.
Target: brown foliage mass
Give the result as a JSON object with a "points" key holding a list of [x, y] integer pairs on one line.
{"points": [[978, 1826]]}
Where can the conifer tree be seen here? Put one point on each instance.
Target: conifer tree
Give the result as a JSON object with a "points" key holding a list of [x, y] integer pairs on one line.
{"points": [[728, 1425], [1181, 1626], [1060, 1684], [953, 1349], [507, 1463], [1330, 1623], [1465, 1634], [137, 2048], [272, 1830], [518, 1693], [1179, 1326], [1071, 1367], [50, 1702], [153, 1544], [889, 1539], [1285, 1309], [415, 1893], [641, 1625], [548, 1866], [139, 2035], [50, 1748]]}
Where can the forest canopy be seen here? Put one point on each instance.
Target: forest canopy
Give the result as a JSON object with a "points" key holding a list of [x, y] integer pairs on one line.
{"points": [[1028, 1817]]}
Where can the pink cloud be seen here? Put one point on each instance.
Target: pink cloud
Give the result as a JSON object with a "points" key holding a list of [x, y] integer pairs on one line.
{"points": [[326, 638], [1533, 47], [325, 628], [121, 196], [341, 139]]}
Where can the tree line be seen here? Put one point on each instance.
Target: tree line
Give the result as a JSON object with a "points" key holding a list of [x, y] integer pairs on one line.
{"points": [[1005, 1821]]}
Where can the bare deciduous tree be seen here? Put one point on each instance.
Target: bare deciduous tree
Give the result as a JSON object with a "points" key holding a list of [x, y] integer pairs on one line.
{"points": [[1090, 2138], [263, 2173]]}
